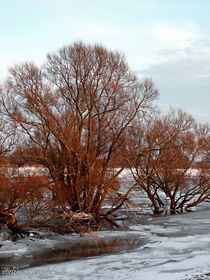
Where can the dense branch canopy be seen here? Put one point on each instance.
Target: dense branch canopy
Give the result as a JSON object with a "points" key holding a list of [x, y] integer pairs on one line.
{"points": [[75, 113]]}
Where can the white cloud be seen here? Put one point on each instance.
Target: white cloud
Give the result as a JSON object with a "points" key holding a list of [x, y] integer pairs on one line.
{"points": [[175, 35], [183, 79]]}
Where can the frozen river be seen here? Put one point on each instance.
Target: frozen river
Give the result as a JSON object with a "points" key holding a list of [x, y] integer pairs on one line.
{"points": [[167, 247]]}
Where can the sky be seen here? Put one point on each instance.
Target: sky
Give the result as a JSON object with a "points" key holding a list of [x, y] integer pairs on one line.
{"points": [[168, 41]]}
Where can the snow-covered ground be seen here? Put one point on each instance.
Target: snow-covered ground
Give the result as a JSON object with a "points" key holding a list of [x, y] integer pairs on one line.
{"points": [[173, 247], [160, 248]]}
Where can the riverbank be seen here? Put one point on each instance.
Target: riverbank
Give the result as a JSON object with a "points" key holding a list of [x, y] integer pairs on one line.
{"points": [[145, 247]]}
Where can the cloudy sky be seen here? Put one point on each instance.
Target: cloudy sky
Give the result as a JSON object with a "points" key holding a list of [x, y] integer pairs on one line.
{"points": [[163, 39]]}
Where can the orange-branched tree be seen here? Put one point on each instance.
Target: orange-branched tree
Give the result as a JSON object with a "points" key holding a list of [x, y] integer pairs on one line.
{"points": [[75, 113], [168, 151], [25, 199]]}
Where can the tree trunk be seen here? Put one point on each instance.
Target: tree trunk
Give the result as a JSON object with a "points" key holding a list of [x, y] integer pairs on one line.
{"points": [[10, 220]]}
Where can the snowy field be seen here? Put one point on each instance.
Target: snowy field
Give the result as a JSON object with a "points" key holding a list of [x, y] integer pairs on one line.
{"points": [[173, 247], [161, 248]]}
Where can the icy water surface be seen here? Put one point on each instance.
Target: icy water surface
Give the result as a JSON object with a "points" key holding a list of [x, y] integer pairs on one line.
{"points": [[168, 247]]}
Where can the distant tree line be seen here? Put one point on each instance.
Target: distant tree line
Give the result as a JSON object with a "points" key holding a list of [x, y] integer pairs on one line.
{"points": [[84, 117]]}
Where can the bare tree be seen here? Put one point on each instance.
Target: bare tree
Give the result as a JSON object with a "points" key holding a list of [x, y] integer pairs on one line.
{"points": [[75, 114], [168, 150], [23, 199], [17, 191], [7, 138]]}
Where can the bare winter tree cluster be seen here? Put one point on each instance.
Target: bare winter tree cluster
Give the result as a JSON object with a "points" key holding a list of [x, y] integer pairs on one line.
{"points": [[84, 117], [169, 151]]}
